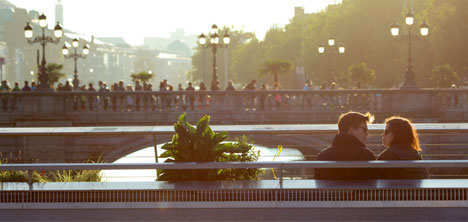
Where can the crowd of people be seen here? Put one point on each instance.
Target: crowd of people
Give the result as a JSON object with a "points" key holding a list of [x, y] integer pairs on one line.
{"points": [[252, 101], [124, 103]]}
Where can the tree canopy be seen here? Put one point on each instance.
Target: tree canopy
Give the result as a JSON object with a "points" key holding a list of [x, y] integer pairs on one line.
{"points": [[275, 68], [142, 77], [364, 27], [54, 72], [360, 74]]}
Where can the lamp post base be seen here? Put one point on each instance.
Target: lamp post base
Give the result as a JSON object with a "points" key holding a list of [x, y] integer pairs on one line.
{"points": [[76, 84], [409, 82]]}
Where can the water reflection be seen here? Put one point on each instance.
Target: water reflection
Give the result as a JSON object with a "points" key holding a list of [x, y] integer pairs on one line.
{"points": [[147, 156]]}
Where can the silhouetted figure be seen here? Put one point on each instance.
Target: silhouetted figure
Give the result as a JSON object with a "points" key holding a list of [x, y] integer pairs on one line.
{"points": [[180, 98], [5, 88], [277, 97], [129, 99], [263, 96], [251, 97], [91, 98], [201, 99], [26, 87], [191, 98], [104, 98], [348, 145], [402, 141], [215, 86], [67, 87], [138, 88], [230, 86]]}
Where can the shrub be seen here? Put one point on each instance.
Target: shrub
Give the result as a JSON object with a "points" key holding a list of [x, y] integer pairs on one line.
{"points": [[57, 176], [201, 144]]}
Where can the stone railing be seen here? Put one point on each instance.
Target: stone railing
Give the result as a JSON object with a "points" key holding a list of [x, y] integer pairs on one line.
{"points": [[424, 102]]}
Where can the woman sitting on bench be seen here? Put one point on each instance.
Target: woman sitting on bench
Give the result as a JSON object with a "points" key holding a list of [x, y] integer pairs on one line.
{"points": [[403, 144]]}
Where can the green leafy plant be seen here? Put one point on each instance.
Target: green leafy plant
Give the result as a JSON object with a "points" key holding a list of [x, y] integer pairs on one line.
{"points": [[242, 152], [201, 144]]}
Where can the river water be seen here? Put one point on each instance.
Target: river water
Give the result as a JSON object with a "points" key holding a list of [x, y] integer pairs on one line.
{"points": [[146, 155]]}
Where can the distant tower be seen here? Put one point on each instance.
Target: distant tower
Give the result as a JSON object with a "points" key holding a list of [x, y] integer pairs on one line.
{"points": [[59, 12]]}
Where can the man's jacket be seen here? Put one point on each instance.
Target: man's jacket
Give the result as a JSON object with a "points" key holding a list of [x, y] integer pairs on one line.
{"points": [[345, 147]]}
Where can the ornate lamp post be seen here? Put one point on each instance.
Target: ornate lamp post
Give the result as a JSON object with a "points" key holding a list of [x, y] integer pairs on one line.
{"points": [[43, 40], [331, 44], [75, 57], [410, 81], [214, 44]]}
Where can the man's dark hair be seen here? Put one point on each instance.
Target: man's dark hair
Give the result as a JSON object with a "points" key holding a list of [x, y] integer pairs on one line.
{"points": [[353, 119]]}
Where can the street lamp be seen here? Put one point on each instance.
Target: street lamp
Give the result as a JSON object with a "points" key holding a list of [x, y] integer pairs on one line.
{"points": [[75, 57], [214, 43], [331, 44], [410, 81], [43, 40]]}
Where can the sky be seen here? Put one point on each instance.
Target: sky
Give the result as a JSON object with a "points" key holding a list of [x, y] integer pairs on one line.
{"points": [[135, 19]]}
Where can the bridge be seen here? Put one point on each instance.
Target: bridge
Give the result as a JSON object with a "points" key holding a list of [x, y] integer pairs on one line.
{"points": [[227, 108], [271, 200], [79, 144]]}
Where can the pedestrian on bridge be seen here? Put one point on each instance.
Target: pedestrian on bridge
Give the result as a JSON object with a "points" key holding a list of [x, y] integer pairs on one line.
{"points": [[251, 98], [190, 98]]}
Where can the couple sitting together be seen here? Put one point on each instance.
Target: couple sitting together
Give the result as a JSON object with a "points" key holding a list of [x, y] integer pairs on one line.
{"points": [[400, 138]]}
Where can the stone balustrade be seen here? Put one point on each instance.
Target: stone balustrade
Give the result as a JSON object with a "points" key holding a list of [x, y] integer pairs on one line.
{"points": [[284, 106]]}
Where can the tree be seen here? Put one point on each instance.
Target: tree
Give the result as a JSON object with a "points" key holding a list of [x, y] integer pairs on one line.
{"points": [[443, 75], [144, 77], [275, 68], [246, 60], [54, 72], [360, 73]]}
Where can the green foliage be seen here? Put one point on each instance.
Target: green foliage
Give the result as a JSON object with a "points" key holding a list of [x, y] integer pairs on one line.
{"points": [[144, 77], [360, 73], [43, 177], [275, 67], [443, 75], [201, 144], [77, 176], [242, 151], [364, 27], [54, 71], [20, 176]]}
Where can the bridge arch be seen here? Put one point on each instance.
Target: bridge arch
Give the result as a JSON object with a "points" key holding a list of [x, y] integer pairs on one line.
{"points": [[111, 148]]}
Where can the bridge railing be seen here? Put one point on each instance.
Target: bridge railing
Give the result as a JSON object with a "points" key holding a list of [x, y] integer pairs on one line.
{"points": [[374, 100], [363, 200], [438, 140], [280, 166]]}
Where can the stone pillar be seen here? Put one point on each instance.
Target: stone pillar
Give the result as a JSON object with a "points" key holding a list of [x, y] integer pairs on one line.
{"points": [[416, 104]]}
